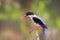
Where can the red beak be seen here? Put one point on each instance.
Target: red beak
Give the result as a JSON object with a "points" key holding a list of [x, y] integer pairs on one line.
{"points": [[24, 16]]}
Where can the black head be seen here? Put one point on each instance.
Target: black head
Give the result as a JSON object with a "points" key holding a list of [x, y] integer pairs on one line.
{"points": [[29, 13]]}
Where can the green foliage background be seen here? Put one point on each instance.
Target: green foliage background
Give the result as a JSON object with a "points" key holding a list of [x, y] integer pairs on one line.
{"points": [[48, 10]]}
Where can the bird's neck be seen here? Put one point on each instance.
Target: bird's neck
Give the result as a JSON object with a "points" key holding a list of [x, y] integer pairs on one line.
{"points": [[31, 16]]}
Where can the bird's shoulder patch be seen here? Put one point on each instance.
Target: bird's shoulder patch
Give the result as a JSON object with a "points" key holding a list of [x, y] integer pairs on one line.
{"points": [[37, 20]]}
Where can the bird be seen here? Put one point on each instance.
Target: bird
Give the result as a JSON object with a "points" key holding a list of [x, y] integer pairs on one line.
{"points": [[38, 22]]}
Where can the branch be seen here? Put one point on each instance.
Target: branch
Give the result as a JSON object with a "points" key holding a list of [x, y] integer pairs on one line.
{"points": [[37, 35]]}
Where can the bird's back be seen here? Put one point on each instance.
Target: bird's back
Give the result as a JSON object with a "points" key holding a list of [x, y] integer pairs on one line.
{"points": [[39, 21]]}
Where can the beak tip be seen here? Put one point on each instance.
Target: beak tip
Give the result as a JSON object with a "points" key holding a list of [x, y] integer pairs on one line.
{"points": [[23, 17]]}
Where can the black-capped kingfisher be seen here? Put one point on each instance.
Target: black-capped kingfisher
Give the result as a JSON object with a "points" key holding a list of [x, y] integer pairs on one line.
{"points": [[38, 22]]}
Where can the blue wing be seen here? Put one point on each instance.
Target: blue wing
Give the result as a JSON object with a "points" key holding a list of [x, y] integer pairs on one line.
{"points": [[39, 21]]}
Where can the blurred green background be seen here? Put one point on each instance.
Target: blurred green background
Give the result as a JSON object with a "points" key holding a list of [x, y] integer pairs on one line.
{"points": [[12, 10]]}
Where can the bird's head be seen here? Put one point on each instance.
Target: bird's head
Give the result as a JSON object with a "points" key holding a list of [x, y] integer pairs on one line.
{"points": [[28, 14]]}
